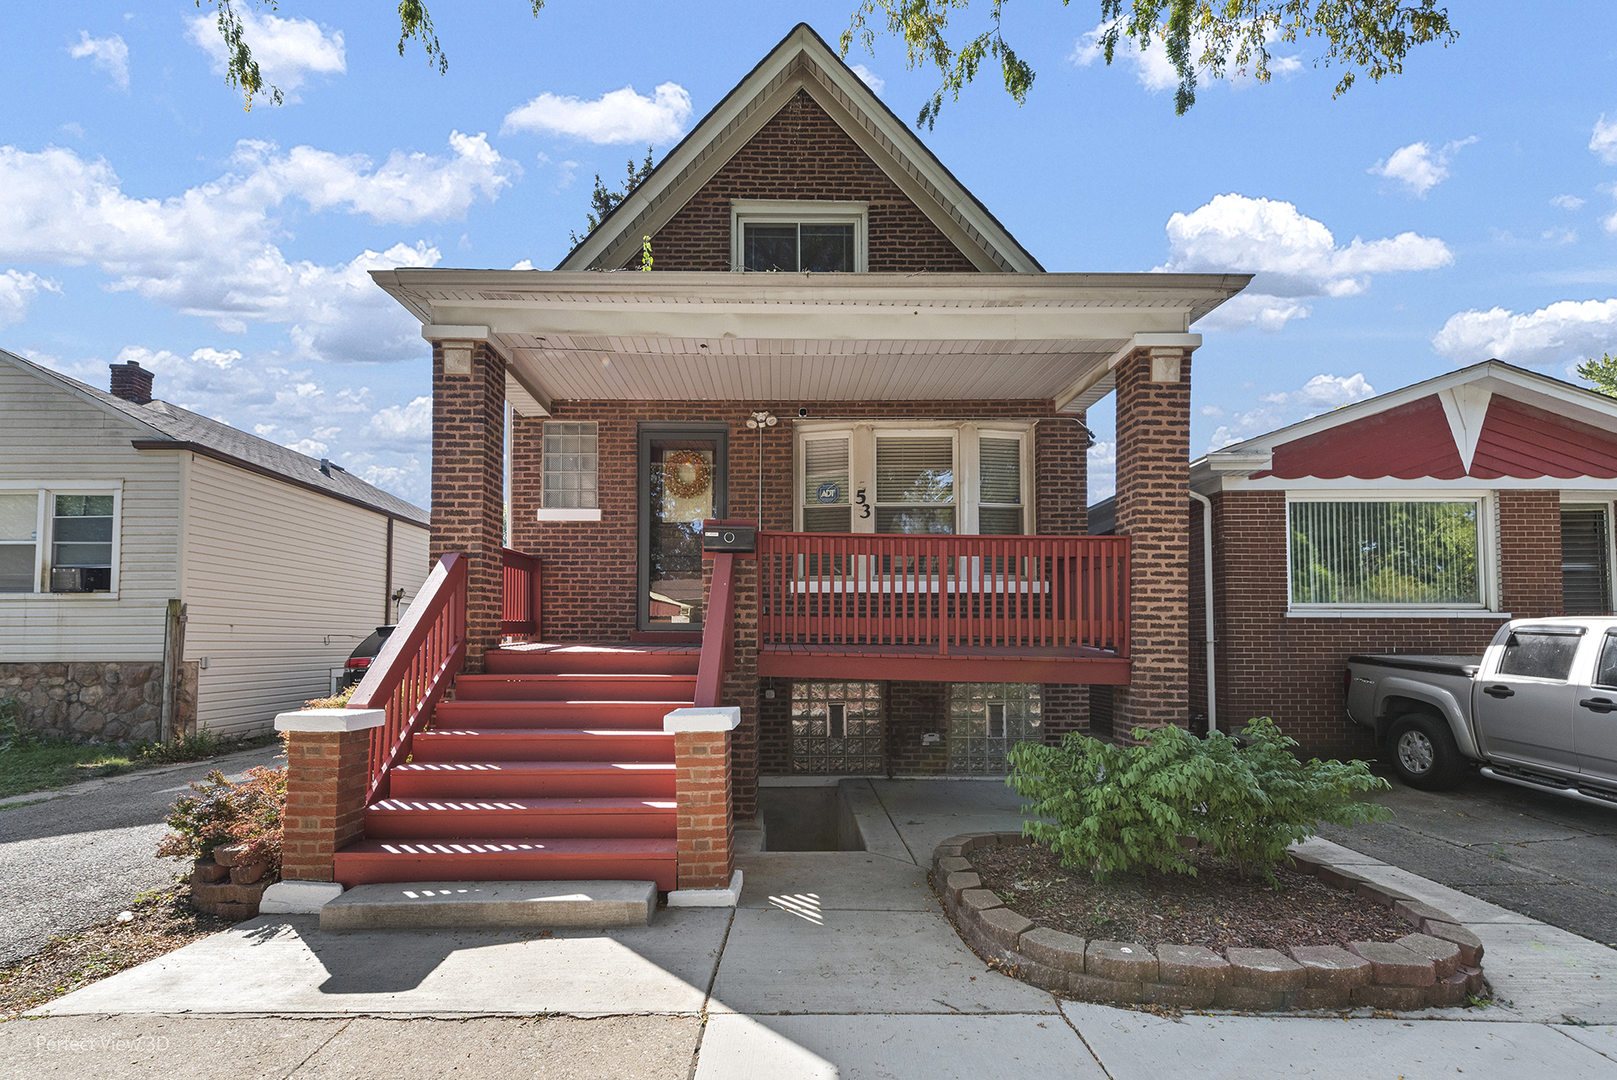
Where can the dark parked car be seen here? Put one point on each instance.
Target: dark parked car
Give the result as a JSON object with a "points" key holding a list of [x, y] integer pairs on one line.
{"points": [[359, 661]]}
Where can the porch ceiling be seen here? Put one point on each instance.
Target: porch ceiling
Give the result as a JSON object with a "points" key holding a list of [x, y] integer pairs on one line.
{"points": [[801, 337]]}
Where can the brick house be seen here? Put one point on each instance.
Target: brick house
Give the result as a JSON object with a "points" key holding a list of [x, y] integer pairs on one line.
{"points": [[1415, 521], [839, 344]]}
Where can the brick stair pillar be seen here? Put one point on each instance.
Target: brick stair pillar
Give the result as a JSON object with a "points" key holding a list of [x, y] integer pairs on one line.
{"points": [[1153, 507], [327, 772], [705, 821], [468, 480]]}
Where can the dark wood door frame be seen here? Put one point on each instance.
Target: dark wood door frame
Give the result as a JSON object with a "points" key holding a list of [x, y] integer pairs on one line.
{"points": [[647, 431]]}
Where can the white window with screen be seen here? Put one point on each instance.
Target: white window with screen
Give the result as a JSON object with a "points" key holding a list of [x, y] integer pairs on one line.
{"points": [[59, 540], [952, 477], [819, 236], [571, 471], [1397, 553]]}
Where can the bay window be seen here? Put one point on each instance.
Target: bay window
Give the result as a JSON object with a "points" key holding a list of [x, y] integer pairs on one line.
{"points": [[1387, 553]]}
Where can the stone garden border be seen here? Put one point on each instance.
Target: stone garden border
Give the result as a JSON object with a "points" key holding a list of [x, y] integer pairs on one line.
{"points": [[1438, 964]]}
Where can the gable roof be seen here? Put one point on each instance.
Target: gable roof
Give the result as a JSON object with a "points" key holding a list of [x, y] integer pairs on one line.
{"points": [[167, 426], [802, 61], [1488, 421]]}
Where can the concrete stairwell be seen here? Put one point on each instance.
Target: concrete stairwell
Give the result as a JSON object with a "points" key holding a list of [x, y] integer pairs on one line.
{"points": [[552, 766]]}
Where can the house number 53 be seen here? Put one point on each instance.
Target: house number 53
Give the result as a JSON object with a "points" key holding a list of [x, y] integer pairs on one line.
{"points": [[864, 507]]}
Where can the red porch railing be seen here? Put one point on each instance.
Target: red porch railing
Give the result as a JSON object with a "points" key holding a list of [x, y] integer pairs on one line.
{"points": [[718, 633], [943, 592], [521, 607], [414, 669]]}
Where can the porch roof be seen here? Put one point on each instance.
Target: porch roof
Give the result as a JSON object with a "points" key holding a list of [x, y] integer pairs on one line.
{"points": [[680, 336]]}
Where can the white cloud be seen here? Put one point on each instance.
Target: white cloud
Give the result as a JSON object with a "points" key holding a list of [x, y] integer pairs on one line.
{"points": [[1102, 470], [869, 78], [1294, 257], [1321, 393], [1566, 330], [1567, 202], [1152, 68], [211, 251], [406, 427], [17, 293], [1603, 140], [1559, 236], [619, 116], [108, 54], [1418, 167], [286, 50]]}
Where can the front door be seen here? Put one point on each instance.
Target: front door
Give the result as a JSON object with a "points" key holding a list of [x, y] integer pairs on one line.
{"points": [[682, 474]]}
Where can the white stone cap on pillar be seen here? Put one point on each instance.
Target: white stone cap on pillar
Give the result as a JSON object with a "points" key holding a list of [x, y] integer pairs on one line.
{"points": [[708, 897], [330, 719], [712, 718], [298, 897]]}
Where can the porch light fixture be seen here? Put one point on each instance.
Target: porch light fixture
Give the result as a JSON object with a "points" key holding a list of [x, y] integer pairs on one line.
{"points": [[761, 420]]}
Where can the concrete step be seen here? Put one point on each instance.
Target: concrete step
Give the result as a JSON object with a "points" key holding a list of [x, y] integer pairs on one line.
{"points": [[575, 687], [583, 659], [542, 744], [444, 905], [443, 818], [369, 862], [644, 715], [536, 779], [492, 904]]}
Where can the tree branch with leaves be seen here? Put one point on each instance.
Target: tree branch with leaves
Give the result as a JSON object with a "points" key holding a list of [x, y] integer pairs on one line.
{"points": [[1602, 372]]}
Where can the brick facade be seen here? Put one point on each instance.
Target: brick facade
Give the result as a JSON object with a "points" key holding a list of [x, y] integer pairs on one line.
{"points": [[326, 774], [801, 153], [705, 825], [1153, 484], [1272, 664]]}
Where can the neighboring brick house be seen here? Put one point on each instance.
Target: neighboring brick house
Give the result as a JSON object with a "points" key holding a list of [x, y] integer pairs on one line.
{"points": [[1415, 521], [839, 343]]}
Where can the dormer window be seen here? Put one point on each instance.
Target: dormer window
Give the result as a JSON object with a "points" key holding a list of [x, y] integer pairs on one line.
{"points": [[792, 236]]}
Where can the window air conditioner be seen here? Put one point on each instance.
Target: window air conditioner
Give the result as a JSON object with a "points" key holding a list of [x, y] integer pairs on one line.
{"points": [[69, 579]]}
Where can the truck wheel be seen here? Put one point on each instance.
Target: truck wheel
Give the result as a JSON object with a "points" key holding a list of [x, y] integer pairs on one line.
{"points": [[1423, 752]]}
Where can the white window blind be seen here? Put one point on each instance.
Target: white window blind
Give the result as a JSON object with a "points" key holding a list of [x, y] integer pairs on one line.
{"points": [[915, 489], [1385, 553], [18, 524], [826, 505], [1585, 561], [999, 497], [571, 464]]}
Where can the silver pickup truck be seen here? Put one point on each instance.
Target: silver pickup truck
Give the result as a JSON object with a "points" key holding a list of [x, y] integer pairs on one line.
{"points": [[1539, 709]]}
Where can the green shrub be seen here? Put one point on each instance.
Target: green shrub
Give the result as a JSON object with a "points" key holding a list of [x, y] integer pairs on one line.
{"points": [[339, 700], [1119, 808], [12, 733], [218, 812]]}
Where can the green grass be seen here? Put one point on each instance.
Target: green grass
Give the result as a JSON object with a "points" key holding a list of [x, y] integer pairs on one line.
{"points": [[45, 764]]}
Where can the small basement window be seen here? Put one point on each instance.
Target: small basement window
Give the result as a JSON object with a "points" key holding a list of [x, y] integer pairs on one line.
{"points": [[817, 236]]}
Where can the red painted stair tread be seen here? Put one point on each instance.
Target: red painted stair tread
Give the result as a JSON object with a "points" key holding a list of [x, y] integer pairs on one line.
{"points": [[373, 861]]}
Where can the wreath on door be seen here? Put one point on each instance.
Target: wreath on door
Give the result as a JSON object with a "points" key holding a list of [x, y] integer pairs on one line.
{"points": [[677, 485]]}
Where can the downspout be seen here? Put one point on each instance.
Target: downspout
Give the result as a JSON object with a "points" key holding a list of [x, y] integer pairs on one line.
{"points": [[1207, 605]]}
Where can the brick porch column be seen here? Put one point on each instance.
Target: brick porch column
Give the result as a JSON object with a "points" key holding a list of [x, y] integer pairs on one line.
{"points": [[327, 770], [706, 825], [468, 482], [1153, 504], [741, 689], [527, 481]]}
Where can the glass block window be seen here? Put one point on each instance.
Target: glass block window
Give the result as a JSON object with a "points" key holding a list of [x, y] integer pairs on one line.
{"points": [[826, 504], [1386, 553], [570, 465], [837, 728], [986, 720], [915, 489]]}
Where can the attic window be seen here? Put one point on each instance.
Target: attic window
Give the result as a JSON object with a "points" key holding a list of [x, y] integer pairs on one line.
{"points": [[814, 236]]}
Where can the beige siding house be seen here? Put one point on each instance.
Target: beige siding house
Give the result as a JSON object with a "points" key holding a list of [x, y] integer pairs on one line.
{"points": [[160, 570]]}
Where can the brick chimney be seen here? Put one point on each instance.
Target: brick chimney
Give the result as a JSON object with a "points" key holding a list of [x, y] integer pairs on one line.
{"points": [[131, 382]]}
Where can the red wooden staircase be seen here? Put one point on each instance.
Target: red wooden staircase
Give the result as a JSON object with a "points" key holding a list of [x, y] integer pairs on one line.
{"points": [[553, 765]]}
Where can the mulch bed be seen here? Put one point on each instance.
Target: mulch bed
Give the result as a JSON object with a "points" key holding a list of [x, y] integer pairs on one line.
{"points": [[163, 921], [1215, 908]]}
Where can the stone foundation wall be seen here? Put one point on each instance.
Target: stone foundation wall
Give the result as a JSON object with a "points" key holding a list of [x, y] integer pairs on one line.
{"points": [[98, 702]]}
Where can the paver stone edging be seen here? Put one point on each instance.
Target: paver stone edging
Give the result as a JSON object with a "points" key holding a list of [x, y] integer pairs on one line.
{"points": [[1439, 963]]}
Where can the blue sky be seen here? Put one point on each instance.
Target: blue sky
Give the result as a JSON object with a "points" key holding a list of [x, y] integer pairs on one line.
{"points": [[1463, 210]]}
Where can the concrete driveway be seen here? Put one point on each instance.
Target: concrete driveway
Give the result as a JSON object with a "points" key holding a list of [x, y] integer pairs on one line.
{"points": [[86, 851], [1550, 858]]}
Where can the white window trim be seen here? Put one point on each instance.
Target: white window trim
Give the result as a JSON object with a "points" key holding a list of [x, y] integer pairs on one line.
{"points": [[1487, 560], [44, 492], [796, 212], [579, 514], [862, 435]]}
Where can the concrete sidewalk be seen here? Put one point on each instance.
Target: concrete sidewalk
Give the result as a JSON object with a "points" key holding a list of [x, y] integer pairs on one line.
{"points": [[835, 963]]}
